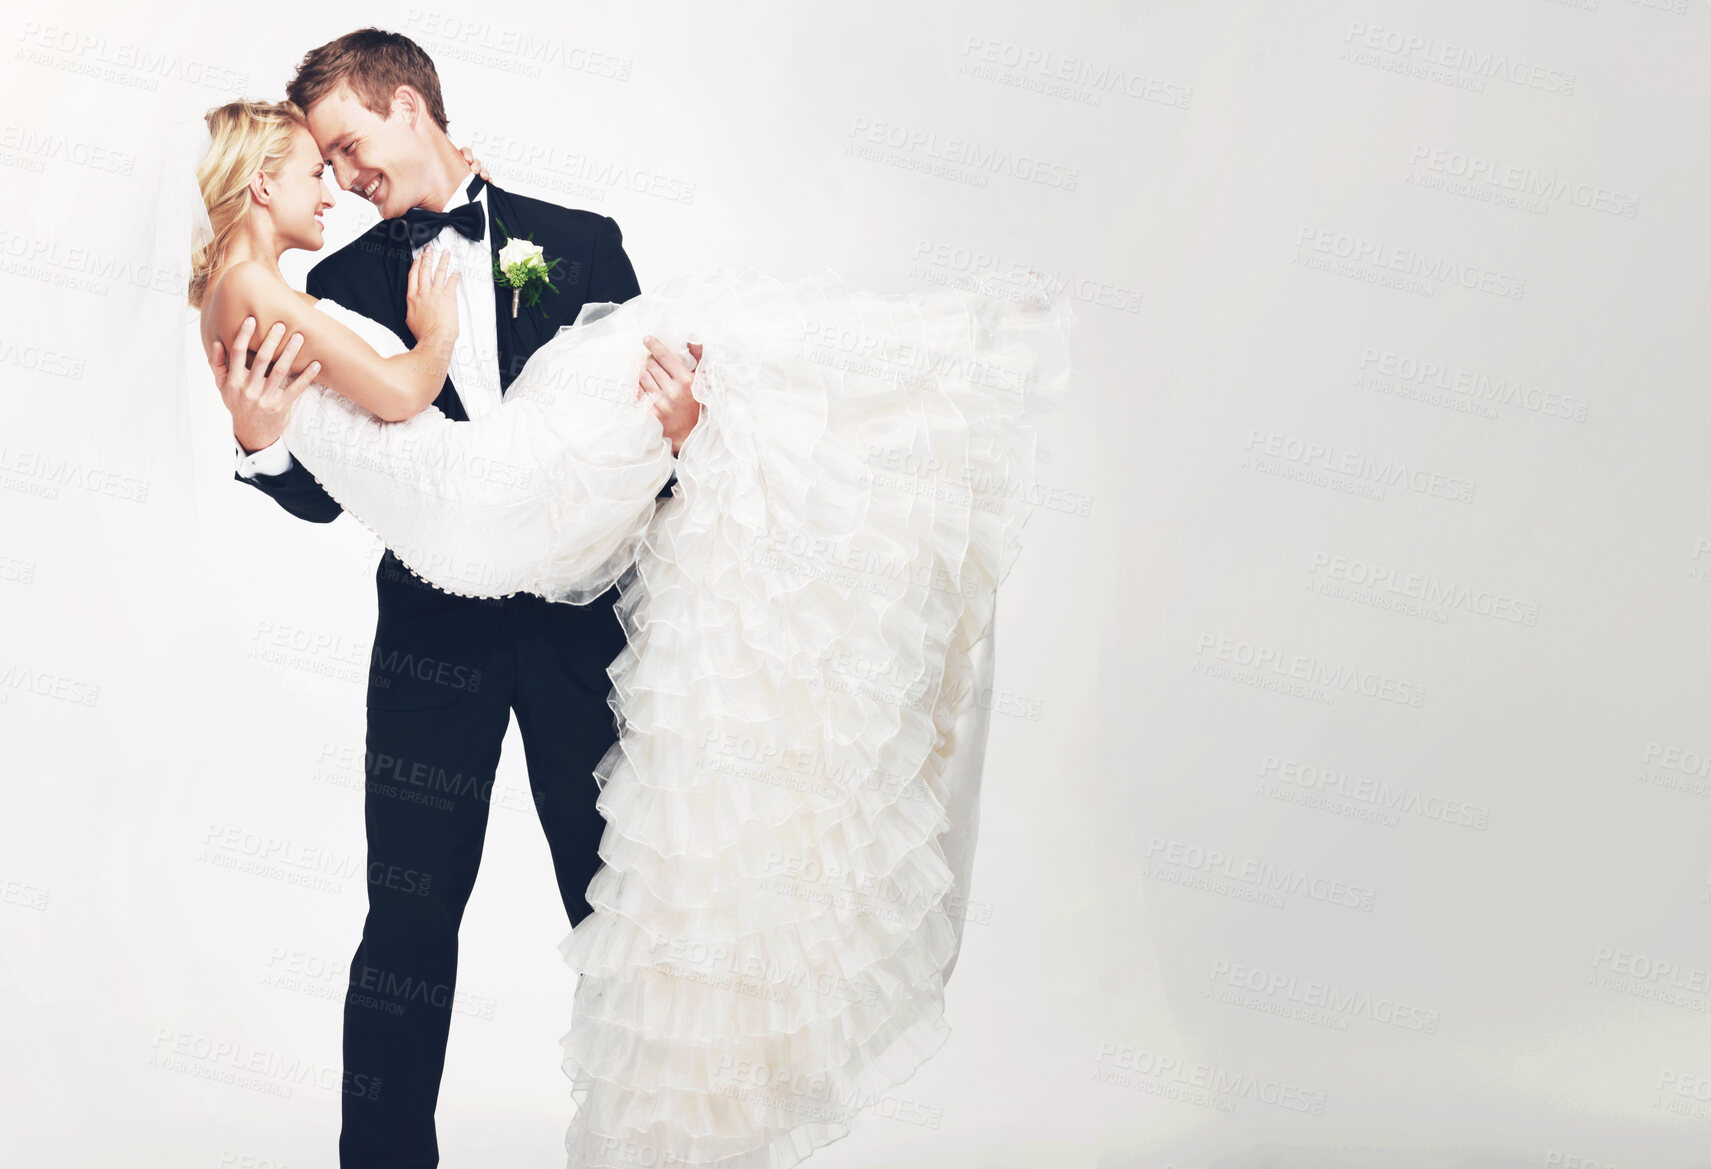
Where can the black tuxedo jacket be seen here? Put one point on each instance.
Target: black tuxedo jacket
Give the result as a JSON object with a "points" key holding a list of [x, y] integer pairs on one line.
{"points": [[429, 645]]}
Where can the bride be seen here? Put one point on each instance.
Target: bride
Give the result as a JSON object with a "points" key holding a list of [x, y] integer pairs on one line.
{"points": [[773, 922]]}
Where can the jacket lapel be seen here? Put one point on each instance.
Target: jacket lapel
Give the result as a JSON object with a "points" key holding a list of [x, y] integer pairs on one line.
{"points": [[390, 240], [502, 211], [521, 335]]}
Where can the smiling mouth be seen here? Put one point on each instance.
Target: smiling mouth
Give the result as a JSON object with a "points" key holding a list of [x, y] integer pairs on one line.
{"points": [[368, 191]]}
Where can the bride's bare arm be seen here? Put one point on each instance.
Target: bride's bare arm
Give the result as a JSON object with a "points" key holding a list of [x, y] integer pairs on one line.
{"points": [[390, 388]]}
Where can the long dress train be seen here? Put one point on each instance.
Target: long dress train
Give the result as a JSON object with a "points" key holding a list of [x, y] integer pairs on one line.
{"points": [[775, 915]]}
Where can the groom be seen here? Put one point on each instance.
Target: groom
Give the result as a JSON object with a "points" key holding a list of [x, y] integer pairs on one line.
{"points": [[447, 672]]}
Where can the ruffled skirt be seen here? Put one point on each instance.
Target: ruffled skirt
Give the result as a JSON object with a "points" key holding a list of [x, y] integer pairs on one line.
{"points": [[776, 912]]}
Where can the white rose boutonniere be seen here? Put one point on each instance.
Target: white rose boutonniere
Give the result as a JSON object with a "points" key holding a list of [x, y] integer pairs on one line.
{"points": [[522, 265]]}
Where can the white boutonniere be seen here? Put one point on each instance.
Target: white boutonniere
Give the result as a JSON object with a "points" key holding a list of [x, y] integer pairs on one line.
{"points": [[522, 265]]}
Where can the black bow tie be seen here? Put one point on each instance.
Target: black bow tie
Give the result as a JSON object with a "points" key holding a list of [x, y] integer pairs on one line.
{"points": [[424, 226]]}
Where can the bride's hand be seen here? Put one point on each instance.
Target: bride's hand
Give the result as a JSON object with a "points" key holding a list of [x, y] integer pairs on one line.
{"points": [[475, 166], [430, 298]]}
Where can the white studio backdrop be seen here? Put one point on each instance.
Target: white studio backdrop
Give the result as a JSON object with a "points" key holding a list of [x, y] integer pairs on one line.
{"points": [[1347, 797]]}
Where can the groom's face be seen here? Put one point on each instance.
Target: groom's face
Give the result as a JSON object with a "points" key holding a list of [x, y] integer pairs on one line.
{"points": [[382, 159]]}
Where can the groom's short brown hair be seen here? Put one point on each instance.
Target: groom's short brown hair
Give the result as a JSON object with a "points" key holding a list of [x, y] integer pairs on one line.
{"points": [[374, 63]]}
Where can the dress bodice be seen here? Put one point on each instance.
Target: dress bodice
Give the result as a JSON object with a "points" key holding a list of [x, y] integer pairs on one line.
{"points": [[384, 341]]}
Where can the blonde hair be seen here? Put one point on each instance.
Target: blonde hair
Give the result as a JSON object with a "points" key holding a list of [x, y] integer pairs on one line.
{"points": [[248, 136]]}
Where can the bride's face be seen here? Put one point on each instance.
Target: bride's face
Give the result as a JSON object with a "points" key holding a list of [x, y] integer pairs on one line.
{"points": [[300, 196]]}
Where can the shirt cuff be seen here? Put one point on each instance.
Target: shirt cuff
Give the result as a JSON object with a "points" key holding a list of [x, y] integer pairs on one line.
{"points": [[269, 460]]}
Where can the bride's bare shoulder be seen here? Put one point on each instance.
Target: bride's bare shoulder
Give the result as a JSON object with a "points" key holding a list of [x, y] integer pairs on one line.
{"points": [[248, 288]]}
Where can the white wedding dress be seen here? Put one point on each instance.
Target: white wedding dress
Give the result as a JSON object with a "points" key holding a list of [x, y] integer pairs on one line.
{"points": [[800, 704]]}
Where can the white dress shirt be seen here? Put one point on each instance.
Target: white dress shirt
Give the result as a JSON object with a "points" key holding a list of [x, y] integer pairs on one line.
{"points": [[474, 367]]}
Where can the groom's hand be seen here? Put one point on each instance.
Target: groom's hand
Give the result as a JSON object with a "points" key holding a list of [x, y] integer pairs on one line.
{"points": [[259, 398], [666, 383]]}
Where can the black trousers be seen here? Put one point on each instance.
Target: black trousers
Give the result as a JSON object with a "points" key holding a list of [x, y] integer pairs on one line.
{"points": [[429, 789]]}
